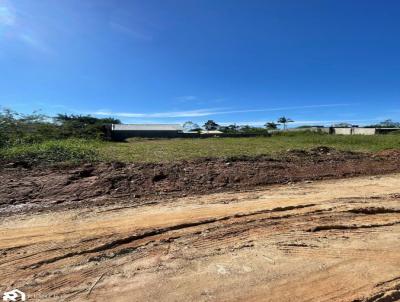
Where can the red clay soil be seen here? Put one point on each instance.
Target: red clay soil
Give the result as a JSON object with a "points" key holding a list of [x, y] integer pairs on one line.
{"points": [[39, 188]]}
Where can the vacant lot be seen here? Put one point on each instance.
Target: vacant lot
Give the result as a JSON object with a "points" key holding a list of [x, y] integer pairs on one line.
{"points": [[176, 149], [154, 220], [167, 150]]}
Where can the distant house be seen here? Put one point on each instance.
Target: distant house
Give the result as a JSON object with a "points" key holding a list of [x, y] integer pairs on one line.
{"points": [[124, 131], [210, 132], [361, 130], [386, 130], [350, 130]]}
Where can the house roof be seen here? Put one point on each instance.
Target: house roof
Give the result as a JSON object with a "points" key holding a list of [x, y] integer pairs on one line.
{"points": [[147, 127]]}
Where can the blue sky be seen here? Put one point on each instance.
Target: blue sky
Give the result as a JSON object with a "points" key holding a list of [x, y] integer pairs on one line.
{"points": [[243, 61]]}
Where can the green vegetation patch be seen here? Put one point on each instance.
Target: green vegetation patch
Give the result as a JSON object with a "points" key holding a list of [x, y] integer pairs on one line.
{"points": [[53, 151], [168, 150]]}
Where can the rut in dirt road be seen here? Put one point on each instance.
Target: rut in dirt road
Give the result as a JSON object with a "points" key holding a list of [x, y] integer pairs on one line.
{"points": [[212, 245]]}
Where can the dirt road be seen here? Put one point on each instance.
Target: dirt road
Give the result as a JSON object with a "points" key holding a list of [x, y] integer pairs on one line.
{"points": [[335, 240]]}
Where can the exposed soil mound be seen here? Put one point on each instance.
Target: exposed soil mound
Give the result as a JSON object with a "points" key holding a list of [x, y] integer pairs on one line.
{"points": [[94, 183], [391, 153]]}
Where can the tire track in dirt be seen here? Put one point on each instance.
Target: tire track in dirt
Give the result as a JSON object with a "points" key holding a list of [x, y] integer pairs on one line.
{"points": [[258, 246]]}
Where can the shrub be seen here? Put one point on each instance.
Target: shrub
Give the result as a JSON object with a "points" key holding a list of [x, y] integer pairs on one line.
{"points": [[72, 150], [32, 128], [299, 133]]}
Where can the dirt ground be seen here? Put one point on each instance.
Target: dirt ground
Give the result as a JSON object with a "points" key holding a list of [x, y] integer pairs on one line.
{"points": [[325, 240], [24, 188]]}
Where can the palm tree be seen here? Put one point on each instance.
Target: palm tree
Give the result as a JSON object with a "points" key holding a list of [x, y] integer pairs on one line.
{"points": [[271, 125], [284, 121]]}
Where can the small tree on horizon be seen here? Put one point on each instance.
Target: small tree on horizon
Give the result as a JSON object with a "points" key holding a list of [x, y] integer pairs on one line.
{"points": [[232, 128], [342, 125], [210, 125], [284, 121], [190, 126], [271, 126], [389, 123]]}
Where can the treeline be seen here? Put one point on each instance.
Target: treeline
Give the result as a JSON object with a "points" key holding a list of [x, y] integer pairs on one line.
{"points": [[16, 128], [211, 125]]}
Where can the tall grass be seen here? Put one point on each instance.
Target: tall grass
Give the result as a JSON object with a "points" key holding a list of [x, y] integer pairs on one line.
{"points": [[141, 150], [168, 150], [53, 151]]}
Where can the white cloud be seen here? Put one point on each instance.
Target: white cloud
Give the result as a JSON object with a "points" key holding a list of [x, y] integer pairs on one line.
{"points": [[20, 27], [7, 14], [32, 41], [206, 112], [129, 31], [305, 122], [285, 108], [187, 98], [172, 114]]}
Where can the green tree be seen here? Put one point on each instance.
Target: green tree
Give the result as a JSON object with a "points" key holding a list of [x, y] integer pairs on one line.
{"points": [[386, 124], [343, 125], [211, 125], [230, 128], [254, 130], [83, 126], [271, 126], [16, 128], [190, 126], [284, 121]]}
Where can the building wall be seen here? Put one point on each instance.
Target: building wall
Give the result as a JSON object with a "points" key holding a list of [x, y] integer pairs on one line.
{"points": [[309, 129], [364, 131], [354, 131], [124, 134], [342, 131], [324, 130]]}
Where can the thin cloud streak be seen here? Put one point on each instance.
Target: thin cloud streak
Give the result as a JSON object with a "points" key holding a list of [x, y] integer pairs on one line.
{"points": [[7, 14], [129, 31], [187, 98], [20, 27], [311, 122], [208, 112], [33, 42], [190, 113]]}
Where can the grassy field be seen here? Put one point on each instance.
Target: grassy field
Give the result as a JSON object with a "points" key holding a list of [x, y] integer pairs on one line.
{"points": [[177, 149], [141, 150]]}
